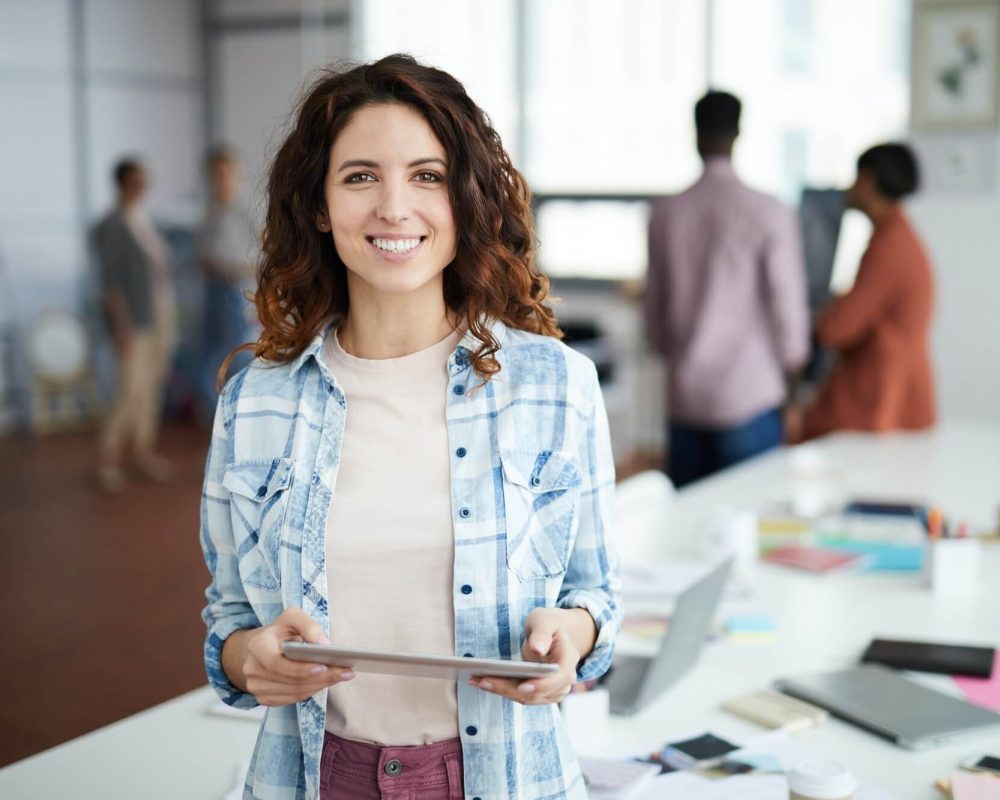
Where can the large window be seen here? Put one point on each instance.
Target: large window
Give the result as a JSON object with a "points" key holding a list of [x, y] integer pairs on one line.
{"points": [[595, 98], [820, 80]]}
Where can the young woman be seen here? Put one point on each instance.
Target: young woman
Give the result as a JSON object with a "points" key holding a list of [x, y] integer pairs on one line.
{"points": [[880, 329], [412, 462]]}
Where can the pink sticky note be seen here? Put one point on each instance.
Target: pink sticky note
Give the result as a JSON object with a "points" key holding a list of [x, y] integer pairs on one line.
{"points": [[983, 692], [974, 786]]}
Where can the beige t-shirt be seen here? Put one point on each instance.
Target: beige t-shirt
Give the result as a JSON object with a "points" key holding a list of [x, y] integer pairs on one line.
{"points": [[390, 543]]}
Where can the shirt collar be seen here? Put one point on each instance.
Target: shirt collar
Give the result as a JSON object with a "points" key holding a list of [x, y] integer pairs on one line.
{"points": [[719, 165], [458, 360]]}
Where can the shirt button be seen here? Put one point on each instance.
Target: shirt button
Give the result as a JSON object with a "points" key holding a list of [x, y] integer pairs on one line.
{"points": [[461, 452], [472, 730], [535, 481], [261, 491], [466, 589], [464, 513], [393, 767], [459, 389]]}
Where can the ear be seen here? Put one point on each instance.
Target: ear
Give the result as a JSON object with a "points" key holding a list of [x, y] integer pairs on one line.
{"points": [[323, 221]]}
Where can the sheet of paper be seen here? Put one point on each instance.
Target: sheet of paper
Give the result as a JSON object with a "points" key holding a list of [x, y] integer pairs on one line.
{"points": [[255, 714], [236, 793], [972, 786], [983, 692]]}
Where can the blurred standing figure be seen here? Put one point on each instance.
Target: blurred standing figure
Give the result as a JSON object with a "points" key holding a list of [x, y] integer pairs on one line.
{"points": [[140, 306], [882, 379], [726, 305], [226, 248]]}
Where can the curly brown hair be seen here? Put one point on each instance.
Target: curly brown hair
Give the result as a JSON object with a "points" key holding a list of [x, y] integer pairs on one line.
{"points": [[302, 282]]}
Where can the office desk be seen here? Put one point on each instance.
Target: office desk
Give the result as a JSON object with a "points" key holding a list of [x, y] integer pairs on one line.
{"points": [[825, 621], [176, 750]]}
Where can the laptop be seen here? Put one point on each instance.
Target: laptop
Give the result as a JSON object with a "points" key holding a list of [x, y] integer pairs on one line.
{"points": [[884, 702], [634, 681]]}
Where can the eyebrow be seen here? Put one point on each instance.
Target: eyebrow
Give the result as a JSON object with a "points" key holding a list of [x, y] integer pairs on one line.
{"points": [[364, 163]]}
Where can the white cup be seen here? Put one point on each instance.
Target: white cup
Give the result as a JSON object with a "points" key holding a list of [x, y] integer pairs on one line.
{"points": [[951, 566], [729, 532], [820, 779]]}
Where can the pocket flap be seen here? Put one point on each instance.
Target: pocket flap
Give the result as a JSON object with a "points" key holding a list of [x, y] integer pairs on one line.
{"points": [[539, 471], [258, 480]]}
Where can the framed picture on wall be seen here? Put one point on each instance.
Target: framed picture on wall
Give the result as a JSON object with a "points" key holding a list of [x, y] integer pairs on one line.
{"points": [[956, 66]]}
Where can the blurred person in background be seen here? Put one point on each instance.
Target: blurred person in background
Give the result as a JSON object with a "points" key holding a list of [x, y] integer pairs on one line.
{"points": [[226, 250], [879, 330], [139, 303], [726, 304]]}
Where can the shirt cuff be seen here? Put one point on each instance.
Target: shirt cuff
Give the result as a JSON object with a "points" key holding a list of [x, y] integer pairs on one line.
{"points": [[606, 619], [217, 635]]}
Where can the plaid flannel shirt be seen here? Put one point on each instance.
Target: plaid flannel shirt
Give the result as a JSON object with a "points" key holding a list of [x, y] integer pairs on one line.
{"points": [[531, 502]]}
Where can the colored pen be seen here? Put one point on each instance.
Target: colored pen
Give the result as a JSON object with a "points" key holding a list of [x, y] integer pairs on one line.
{"points": [[934, 522]]}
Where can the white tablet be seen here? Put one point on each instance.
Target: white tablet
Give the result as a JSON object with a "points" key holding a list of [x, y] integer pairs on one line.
{"points": [[417, 665]]}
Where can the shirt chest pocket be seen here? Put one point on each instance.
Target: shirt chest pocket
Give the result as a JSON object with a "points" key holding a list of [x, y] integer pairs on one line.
{"points": [[258, 499], [541, 493]]}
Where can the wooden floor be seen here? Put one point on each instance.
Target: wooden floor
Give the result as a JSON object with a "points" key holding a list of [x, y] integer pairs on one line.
{"points": [[100, 595]]}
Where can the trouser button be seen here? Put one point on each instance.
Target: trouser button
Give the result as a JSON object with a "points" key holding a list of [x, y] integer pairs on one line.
{"points": [[393, 767]]}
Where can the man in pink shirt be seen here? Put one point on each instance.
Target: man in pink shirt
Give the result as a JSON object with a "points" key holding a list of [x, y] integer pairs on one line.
{"points": [[726, 305]]}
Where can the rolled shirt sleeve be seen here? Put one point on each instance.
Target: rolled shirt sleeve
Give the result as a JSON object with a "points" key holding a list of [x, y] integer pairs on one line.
{"points": [[228, 609], [593, 577], [785, 278]]}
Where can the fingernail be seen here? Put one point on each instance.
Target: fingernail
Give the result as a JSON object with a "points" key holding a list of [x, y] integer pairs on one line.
{"points": [[317, 669], [528, 688], [485, 685], [346, 675], [322, 640]]}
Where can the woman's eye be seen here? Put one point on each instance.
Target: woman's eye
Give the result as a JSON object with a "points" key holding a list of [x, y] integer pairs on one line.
{"points": [[428, 177], [360, 177]]}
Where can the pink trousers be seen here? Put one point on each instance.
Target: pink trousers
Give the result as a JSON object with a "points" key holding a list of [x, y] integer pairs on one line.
{"points": [[357, 771]]}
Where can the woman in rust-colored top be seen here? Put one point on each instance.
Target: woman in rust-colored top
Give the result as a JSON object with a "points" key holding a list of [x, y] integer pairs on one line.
{"points": [[879, 330]]}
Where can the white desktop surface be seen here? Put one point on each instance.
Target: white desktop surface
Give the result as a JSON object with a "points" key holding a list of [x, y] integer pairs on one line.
{"points": [[176, 750]]}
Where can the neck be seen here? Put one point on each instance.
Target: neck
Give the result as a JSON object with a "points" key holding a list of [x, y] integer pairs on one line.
{"points": [[879, 211], [392, 326]]}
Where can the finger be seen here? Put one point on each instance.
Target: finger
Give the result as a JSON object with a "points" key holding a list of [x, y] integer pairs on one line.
{"points": [[540, 639], [526, 692], [264, 689], [278, 667], [301, 624]]}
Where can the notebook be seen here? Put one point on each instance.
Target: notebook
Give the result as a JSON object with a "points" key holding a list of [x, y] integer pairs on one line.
{"points": [[815, 559]]}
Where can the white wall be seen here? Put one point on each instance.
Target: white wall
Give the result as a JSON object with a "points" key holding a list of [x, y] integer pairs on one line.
{"points": [[961, 228], [83, 82], [262, 53]]}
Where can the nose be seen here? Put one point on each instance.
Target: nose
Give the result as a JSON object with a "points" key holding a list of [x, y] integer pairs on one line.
{"points": [[393, 203]]}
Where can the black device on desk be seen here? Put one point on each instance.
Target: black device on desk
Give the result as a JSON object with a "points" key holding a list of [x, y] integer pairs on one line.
{"points": [[948, 659]]}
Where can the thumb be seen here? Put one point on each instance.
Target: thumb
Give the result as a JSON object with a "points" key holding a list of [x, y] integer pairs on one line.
{"points": [[541, 636], [305, 626]]}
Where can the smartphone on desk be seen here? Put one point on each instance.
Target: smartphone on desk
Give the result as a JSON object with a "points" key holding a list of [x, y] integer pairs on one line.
{"points": [[982, 763]]}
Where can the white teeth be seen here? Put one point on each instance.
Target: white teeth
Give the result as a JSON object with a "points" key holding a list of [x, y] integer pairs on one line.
{"points": [[396, 245]]}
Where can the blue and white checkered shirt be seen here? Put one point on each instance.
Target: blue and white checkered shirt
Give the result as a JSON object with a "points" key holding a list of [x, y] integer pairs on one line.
{"points": [[531, 504]]}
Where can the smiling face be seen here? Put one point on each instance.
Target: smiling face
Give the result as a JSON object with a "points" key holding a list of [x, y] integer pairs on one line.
{"points": [[387, 205]]}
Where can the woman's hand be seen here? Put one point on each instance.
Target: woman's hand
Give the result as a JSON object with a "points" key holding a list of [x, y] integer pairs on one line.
{"points": [[273, 678], [547, 638]]}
